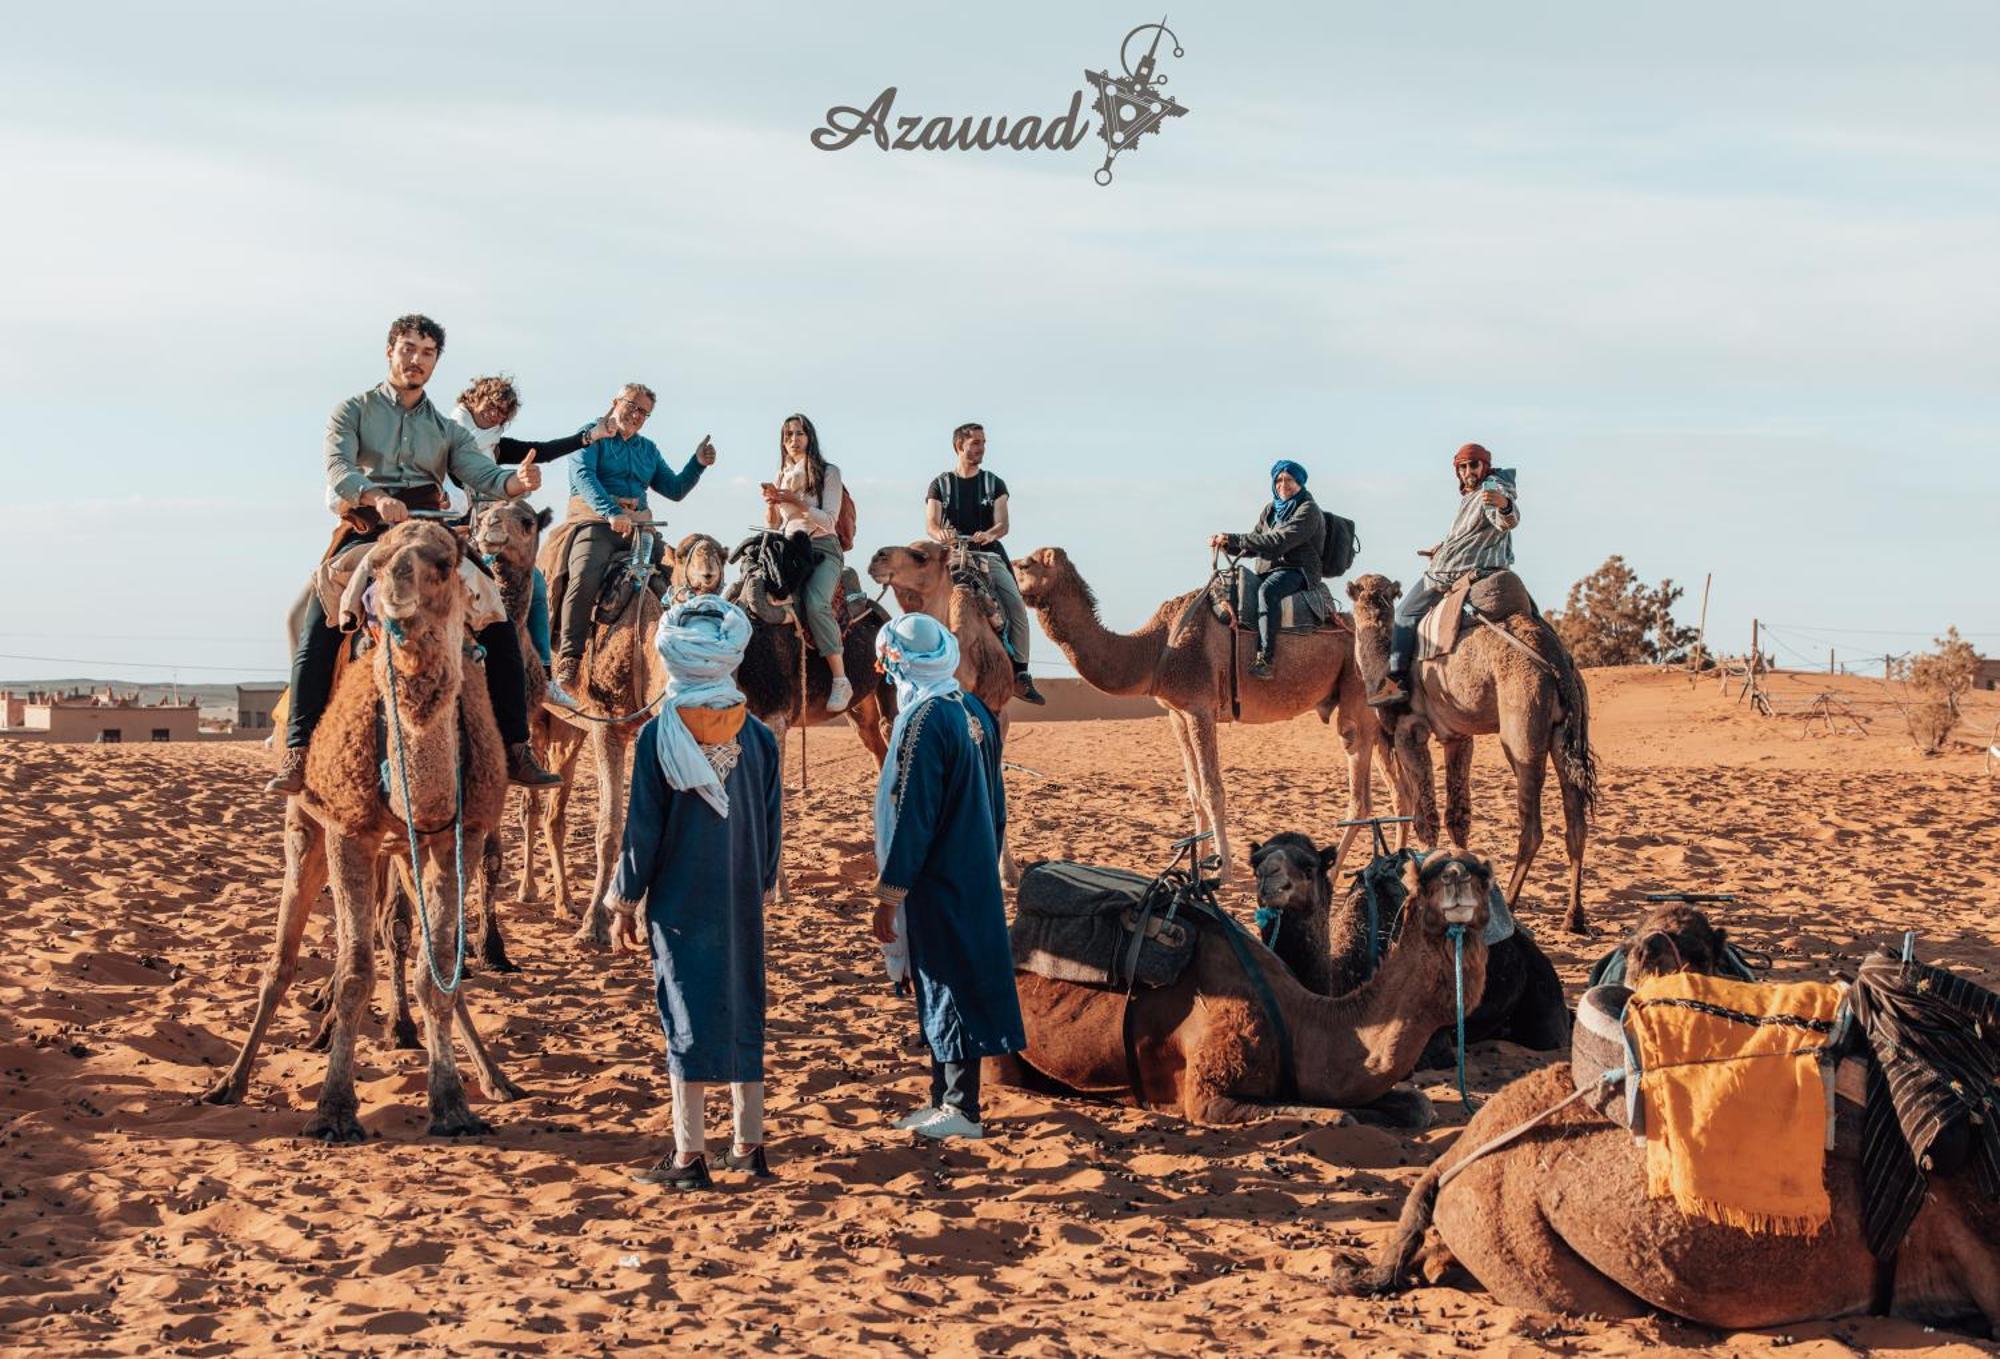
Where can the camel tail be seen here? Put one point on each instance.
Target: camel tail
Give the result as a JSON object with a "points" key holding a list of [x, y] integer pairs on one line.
{"points": [[1398, 1255], [1574, 759]]}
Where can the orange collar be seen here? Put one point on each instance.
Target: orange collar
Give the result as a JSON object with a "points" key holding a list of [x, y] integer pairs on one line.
{"points": [[714, 726]]}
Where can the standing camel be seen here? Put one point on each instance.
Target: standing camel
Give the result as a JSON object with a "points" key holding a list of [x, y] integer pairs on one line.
{"points": [[1184, 667], [452, 773], [1527, 691], [621, 679], [926, 580]]}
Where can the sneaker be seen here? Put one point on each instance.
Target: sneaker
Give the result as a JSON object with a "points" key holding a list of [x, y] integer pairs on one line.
{"points": [[840, 695], [1025, 690], [523, 771], [1394, 693], [291, 776], [560, 696], [921, 1116], [1260, 667], [948, 1124], [752, 1161], [568, 671], [668, 1173]]}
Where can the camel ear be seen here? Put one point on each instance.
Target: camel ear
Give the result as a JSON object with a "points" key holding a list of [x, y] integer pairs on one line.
{"points": [[1328, 857], [1354, 590], [1256, 848], [670, 557], [545, 518], [1413, 878]]}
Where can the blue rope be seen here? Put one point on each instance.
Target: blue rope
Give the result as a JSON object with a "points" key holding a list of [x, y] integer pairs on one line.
{"points": [[1457, 933], [392, 634]]}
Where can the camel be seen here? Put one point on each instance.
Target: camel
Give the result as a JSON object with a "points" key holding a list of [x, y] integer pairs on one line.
{"points": [[769, 676], [697, 564], [1325, 943], [1486, 686], [1205, 1048], [620, 682], [1559, 1220], [925, 581], [344, 822], [1184, 667]]}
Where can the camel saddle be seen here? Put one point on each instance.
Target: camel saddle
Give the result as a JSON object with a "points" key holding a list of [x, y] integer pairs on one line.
{"points": [[619, 584], [1232, 595], [1076, 922], [851, 604], [1491, 595]]}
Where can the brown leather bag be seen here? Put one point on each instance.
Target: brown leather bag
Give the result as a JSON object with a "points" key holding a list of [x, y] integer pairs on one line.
{"points": [[843, 522]]}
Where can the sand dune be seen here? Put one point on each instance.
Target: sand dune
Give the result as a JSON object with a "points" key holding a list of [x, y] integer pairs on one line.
{"points": [[139, 889]]}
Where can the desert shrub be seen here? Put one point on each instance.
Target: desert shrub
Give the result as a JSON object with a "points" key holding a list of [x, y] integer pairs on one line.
{"points": [[1937, 680], [1612, 618]]}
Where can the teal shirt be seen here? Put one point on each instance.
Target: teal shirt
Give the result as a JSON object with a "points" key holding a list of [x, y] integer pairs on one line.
{"points": [[614, 469]]}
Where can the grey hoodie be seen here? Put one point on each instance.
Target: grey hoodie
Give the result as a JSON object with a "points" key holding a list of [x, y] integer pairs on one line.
{"points": [[1482, 535]]}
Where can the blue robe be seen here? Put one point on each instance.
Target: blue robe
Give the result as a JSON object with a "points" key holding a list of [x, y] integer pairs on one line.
{"points": [[951, 812], [704, 878]]}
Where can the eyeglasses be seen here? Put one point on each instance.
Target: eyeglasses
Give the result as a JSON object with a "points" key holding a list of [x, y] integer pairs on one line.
{"points": [[627, 403]]}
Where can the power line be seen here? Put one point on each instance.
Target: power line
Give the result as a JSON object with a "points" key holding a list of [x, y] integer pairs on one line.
{"points": [[145, 665], [1877, 632], [132, 637]]}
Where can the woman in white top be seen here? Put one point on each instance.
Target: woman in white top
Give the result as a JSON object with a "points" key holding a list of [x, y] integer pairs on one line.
{"points": [[806, 499]]}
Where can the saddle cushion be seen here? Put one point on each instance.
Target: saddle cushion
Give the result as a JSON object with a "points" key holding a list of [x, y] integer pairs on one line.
{"points": [[1310, 610], [1075, 922], [1495, 594], [1734, 1097]]}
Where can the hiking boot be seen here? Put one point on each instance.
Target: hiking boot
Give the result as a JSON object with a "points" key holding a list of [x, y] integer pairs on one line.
{"points": [[1260, 666], [524, 772], [1394, 694], [290, 779], [840, 695], [1025, 690]]}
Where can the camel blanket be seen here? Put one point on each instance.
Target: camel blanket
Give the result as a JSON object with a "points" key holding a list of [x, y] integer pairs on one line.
{"points": [[1497, 595], [1075, 922], [1734, 1098]]}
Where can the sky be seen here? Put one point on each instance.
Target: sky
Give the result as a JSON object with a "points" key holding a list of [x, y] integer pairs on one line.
{"points": [[1722, 283]]}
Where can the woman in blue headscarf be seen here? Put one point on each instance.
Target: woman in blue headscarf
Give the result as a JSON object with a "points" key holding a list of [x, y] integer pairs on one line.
{"points": [[940, 818], [1286, 542], [700, 852]]}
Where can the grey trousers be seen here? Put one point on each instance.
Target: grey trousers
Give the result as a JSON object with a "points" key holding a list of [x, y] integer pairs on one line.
{"points": [[816, 596], [1013, 606]]}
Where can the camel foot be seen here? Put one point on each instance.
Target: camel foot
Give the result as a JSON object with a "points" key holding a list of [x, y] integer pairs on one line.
{"points": [[1400, 1108], [1574, 921], [494, 955], [322, 1037], [336, 1127], [501, 1090], [458, 1122], [228, 1090], [316, 998], [403, 1034], [593, 933]]}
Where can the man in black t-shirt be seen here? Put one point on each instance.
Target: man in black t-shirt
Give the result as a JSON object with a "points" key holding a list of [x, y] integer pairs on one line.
{"points": [[968, 502]]}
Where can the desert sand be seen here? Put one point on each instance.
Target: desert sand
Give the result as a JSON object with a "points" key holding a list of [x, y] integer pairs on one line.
{"points": [[139, 888]]}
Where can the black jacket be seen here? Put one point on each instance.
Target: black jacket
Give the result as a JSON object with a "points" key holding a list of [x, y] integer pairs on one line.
{"points": [[1295, 543]]}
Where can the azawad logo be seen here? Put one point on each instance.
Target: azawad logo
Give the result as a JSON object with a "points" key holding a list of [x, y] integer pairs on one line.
{"points": [[1128, 107]]}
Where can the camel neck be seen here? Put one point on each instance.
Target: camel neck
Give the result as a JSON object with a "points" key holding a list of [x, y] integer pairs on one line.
{"points": [[1114, 662]]}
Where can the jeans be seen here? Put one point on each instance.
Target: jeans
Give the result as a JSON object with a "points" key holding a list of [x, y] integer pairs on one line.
{"points": [[538, 616], [319, 651], [1008, 590], [955, 1085], [1416, 602], [1272, 591], [816, 596]]}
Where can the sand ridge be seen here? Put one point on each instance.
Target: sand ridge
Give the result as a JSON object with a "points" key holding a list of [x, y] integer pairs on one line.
{"points": [[137, 896]]}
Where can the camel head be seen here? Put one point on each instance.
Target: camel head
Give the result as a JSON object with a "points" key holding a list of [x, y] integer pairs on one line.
{"points": [[1045, 573], [1292, 873], [510, 531], [1374, 597], [1673, 937], [1449, 889], [917, 573], [415, 567], [697, 564]]}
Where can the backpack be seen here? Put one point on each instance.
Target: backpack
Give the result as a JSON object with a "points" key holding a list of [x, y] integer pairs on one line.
{"points": [[1338, 548], [843, 522]]}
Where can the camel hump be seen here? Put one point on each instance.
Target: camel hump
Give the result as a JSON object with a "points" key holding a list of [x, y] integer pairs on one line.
{"points": [[1500, 595]]}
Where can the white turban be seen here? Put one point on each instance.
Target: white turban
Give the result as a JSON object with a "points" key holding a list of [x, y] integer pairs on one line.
{"points": [[702, 641]]}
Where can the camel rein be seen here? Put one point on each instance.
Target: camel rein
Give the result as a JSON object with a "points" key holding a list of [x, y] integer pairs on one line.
{"points": [[390, 633]]}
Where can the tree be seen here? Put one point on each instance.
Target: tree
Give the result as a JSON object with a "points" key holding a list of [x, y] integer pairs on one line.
{"points": [[1612, 618], [1939, 678]]}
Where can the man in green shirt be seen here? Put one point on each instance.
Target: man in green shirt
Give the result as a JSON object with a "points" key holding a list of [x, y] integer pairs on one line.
{"points": [[388, 451]]}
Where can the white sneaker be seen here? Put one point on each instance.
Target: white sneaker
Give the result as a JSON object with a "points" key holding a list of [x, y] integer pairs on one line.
{"points": [[560, 696], [840, 695], [923, 1115], [948, 1124]]}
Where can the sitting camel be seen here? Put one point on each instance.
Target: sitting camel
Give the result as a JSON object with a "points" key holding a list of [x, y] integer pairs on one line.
{"points": [[1184, 667], [1205, 1048], [620, 683], [926, 580], [1522, 686], [452, 772], [1559, 1220], [1328, 949]]}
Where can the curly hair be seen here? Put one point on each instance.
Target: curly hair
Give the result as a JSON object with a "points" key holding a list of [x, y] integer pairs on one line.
{"points": [[969, 427], [497, 391], [416, 323]]}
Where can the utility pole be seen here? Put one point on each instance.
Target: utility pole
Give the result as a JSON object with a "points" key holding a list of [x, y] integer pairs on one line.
{"points": [[1701, 628]]}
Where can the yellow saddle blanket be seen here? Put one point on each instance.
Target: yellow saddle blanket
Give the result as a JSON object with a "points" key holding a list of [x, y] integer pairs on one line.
{"points": [[1735, 1099]]}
